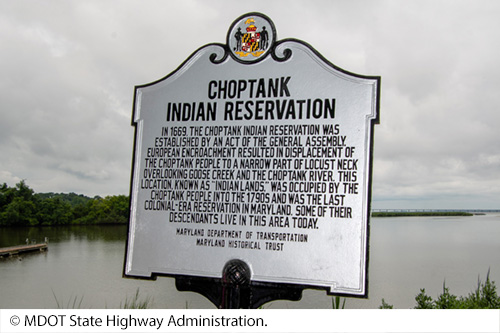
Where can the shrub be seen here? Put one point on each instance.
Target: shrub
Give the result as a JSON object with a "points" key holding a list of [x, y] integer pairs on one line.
{"points": [[484, 297]]}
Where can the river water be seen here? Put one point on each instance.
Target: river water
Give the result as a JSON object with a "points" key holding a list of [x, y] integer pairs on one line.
{"points": [[83, 266]]}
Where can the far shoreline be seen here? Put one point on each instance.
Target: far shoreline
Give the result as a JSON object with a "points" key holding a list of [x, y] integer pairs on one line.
{"points": [[398, 214]]}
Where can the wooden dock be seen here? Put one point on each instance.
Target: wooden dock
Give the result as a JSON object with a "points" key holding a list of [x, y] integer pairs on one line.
{"points": [[13, 250]]}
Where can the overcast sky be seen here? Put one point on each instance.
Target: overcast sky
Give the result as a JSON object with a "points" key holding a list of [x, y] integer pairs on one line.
{"points": [[68, 70]]}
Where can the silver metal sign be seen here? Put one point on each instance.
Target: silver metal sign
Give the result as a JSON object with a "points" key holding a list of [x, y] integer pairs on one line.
{"points": [[258, 150]]}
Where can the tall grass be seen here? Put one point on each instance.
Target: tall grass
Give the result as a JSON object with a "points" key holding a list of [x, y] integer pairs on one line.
{"points": [[135, 303], [336, 300], [483, 297], [74, 302]]}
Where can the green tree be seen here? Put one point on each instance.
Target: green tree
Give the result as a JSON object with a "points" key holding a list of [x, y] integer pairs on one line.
{"points": [[54, 211], [23, 191], [20, 206], [81, 211], [7, 194], [20, 213], [108, 210], [16, 205]]}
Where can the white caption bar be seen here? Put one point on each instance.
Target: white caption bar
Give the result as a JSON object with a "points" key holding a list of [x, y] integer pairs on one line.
{"points": [[249, 321]]}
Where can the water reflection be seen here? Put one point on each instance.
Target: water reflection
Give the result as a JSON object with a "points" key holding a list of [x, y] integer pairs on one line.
{"points": [[106, 233], [406, 254]]}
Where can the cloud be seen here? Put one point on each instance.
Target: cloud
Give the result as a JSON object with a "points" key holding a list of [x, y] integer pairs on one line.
{"points": [[69, 69]]}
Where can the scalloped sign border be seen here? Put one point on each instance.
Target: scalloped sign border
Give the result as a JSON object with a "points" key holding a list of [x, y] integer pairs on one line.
{"points": [[255, 83]]}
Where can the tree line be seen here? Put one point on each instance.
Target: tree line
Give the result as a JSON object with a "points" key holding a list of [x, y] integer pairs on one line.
{"points": [[21, 206]]}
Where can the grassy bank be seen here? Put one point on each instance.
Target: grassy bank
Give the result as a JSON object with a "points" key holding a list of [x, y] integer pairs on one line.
{"points": [[484, 297], [396, 214]]}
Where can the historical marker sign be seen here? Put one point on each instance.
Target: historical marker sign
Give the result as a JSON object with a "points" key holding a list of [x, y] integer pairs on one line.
{"points": [[257, 150]]}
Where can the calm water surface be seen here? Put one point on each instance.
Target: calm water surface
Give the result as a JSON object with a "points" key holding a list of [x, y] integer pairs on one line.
{"points": [[84, 265]]}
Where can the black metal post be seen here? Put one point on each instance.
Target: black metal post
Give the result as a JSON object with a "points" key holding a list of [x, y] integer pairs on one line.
{"points": [[236, 290]]}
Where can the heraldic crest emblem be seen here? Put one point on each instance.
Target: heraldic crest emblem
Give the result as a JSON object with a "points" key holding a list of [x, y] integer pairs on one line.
{"points": [[251, 37]]}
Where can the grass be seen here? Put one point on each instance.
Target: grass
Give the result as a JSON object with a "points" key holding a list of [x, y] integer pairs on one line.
{"points": [[483, 297], [135, 302], [74, 302], [336, 302]]}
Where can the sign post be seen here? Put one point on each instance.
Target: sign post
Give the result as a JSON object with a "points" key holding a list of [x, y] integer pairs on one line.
{"points": [[252, 171]]}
